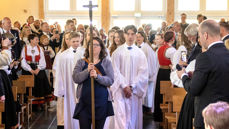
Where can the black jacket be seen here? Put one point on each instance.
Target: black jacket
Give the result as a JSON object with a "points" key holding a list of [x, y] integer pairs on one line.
{"points": [[17, 47], [194, 53], [210, 80], [226, 38]]}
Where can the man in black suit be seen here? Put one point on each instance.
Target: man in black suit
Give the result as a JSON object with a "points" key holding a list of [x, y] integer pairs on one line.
{"points": [[210, 80], [7, 28], [224, 30]]}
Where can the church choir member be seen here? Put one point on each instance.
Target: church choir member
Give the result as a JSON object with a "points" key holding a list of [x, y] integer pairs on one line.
{"points": [[60, 99], [130, 82], [64, 81], [153, 66], [103, 73], [9, 116], [33, 63], [165, 56], [118, 40], [209, 82]]}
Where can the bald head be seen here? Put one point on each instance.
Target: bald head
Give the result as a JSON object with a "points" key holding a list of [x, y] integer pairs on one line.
{"points": [[209, 32], [6, 23], [211, 27]]}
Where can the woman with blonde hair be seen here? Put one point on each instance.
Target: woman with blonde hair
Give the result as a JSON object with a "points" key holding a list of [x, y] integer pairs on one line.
{"points": [[26, 31]]}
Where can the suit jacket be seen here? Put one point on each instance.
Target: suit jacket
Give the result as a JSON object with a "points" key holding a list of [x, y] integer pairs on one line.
{"points": [[194, 53], [226, 38], [210, 80]]}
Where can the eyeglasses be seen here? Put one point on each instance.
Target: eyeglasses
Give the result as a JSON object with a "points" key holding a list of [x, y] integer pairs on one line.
{"points": [[96, 45]]}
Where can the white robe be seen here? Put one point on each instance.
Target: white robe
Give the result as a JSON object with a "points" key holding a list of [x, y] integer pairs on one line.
{"points": [[153, 67], [130, 69], [66, 85], [60, 99]]}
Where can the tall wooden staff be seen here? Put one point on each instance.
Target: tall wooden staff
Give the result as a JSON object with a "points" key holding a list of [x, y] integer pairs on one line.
{"points": [[90, 6]]}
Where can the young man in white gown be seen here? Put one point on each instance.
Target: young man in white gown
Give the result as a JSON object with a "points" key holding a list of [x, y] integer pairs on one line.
{"points": [[130, 82], [64, 81]]}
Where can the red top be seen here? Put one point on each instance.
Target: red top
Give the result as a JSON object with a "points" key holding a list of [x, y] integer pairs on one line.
{"points": [[163, 61], [29, 58]]}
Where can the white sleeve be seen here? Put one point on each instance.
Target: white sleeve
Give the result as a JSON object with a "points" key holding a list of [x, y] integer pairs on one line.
{"points": [[118, 77], [141, 81], [42, 63], [169, 53], [5, 57], [24, 64]]}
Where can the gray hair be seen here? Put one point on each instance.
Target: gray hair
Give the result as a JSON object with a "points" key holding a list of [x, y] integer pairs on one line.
{"points": [[150, 25], [191, 29]]}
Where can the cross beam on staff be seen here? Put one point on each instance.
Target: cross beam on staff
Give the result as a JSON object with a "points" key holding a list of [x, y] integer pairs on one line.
{"points": [[90, 6]]}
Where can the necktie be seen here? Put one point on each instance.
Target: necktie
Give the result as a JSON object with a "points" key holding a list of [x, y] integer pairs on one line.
{"points": [[74, 51], [129, 48], [139, 46]]}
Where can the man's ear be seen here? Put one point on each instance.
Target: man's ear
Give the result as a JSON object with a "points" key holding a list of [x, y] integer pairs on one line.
{"points": [[205, 35]]}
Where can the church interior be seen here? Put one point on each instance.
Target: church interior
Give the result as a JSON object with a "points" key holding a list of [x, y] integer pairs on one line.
{"points": [[155, 22]]}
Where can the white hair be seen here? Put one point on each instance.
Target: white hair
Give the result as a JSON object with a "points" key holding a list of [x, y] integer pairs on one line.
{"points": [[191, 29]]}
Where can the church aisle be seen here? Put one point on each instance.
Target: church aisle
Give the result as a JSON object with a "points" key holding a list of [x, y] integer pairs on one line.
{"points": [[44, 119], [47, 119]]}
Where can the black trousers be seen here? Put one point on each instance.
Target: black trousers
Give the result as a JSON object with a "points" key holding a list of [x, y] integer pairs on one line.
{"points": [[199, 127], [86, 123]]}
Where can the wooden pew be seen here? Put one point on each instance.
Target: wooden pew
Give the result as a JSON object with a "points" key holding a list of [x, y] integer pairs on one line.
{"points": [[29, 83], [178, 95], [166, 106], [21, 91], [2, 109]]}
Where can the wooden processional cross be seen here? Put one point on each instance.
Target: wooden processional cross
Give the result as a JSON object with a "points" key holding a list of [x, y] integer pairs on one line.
{"points": [[90, 6]]}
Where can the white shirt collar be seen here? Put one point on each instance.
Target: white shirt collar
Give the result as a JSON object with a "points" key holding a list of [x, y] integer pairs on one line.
{"points": [[129, 46], [225, 36], [217, 42]]}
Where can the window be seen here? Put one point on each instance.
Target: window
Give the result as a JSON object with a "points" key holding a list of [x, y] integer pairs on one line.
{"points": [[87, 22], [80, 3], [124, 5], [156, 23], [216, 5], [155, 6], [58, 5], [123, 22], [188, 5]]}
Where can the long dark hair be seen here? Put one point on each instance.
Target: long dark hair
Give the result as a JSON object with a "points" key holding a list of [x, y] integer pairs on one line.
{"points": [[122, 40], [102, 53]]}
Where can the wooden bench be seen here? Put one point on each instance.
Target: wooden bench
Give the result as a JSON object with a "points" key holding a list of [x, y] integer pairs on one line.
{"points": [[178, 95], [165, 88], [29, 83], [2, 109], [21, 91]]}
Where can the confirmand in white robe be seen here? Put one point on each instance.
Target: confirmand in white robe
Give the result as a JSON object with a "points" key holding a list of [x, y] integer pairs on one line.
{"points": [[66, 85], [153, 67], [130, 69], [60, 99]]}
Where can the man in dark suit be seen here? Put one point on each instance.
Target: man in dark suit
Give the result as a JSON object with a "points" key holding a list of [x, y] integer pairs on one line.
{"points": [[210, 80], [7, 28], [224, 30]]}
